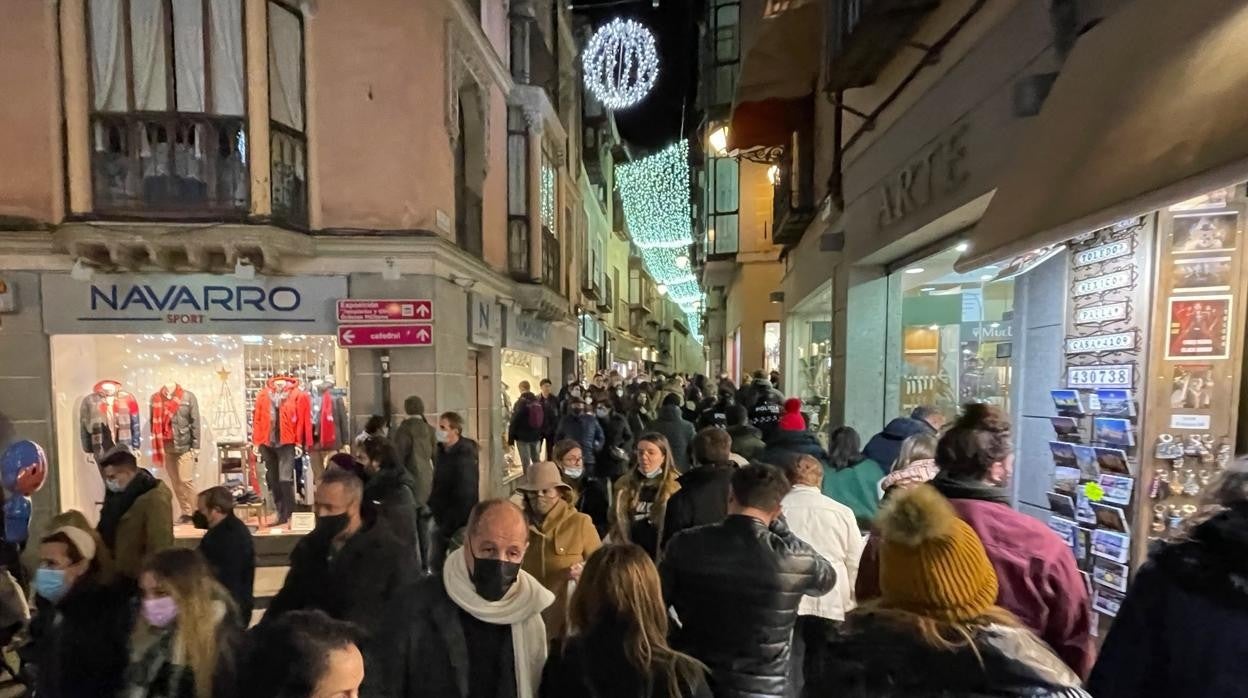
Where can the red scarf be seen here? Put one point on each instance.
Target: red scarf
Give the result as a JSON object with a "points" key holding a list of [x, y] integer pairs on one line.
{"points": [[164, 407]]}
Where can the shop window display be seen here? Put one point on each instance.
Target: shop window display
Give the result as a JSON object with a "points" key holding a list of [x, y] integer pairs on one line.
{"points": [[956, 335], [193, 406], [809, 353], [518, 367]]}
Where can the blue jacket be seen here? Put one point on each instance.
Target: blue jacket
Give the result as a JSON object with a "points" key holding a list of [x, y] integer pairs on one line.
{"points": [[585, 430], [884, 446]]}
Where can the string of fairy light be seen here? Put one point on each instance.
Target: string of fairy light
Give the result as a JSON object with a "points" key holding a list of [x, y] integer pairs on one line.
{"points": [[655, 193]]}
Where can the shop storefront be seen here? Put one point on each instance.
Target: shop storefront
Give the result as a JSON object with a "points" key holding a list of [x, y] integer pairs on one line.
{"points": [[525, 359], [590, 351], [955, 335], [126, 349], [808, 352]]}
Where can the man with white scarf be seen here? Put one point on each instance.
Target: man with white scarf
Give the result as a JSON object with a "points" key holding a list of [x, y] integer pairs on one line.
{"points": [[476, 631]]}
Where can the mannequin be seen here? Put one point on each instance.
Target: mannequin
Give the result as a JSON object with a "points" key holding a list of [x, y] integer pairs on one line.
{"points": [[109, 417], [329, 424], [175, 441], [282, 431]]}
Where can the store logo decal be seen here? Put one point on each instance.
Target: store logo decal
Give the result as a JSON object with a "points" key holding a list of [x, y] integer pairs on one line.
{"points": [[182, 298]]}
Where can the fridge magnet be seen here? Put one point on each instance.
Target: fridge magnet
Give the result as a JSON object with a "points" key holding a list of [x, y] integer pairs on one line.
{"points": [[1110, 574], [1115, 402], [1067, 401], [1065, 528], [1063, 454], [1066, 479], [1062, 505], [1113, 431], [1085, 456], [1113, 459], [1117, 489], [1066, 428], [1107, 601], [1111, 545], [1199, 327], [1111, 517]]}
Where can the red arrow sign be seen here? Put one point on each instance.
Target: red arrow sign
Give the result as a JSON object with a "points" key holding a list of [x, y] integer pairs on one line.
{"points": [[362, 336], [381, 310]]}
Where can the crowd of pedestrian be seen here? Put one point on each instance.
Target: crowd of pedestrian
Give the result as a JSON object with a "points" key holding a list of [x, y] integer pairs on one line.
{"points": [[639, 556]]}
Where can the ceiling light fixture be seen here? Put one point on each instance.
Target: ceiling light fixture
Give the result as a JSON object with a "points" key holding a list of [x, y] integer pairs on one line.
{"points": [[915, 270]]}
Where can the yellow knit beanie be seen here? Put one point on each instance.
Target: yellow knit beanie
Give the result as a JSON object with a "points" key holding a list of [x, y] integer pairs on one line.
{"points": [[931, 562]]}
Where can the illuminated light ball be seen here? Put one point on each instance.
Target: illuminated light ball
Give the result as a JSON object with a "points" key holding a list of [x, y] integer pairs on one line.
{"points": [[621, 63]]}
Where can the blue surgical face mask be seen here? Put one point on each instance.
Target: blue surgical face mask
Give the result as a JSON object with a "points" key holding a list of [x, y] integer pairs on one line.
{"points": [[440, 435], [114, 486], [574, 473], [50, 584]]}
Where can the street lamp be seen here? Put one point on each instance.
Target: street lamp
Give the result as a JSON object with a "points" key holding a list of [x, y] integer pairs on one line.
{"points": [[719, 140]]}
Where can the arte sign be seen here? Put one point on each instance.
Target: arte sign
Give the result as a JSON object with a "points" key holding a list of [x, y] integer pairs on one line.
{"points": [[364, 336], [190, 304], [938, 170], [378, 310]]}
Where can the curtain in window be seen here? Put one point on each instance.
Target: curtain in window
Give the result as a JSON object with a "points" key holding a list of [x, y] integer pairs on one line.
{"points": [[108, 58], [226, 21], [188, 54], [285, 68], [147, 46]]}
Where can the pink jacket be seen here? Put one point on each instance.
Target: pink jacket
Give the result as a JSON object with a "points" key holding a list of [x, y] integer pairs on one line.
{"points": [[1039, 581]]}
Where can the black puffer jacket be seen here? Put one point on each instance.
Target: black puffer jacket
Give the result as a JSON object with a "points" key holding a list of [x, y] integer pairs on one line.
{"points": [[883, 656], [702, 499], [617, 442], [391, 495], [455, 483], [1181, 629], [735, 587]]}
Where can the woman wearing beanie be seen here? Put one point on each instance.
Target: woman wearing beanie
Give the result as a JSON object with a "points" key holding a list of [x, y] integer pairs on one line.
{"points": [[936, 629]]}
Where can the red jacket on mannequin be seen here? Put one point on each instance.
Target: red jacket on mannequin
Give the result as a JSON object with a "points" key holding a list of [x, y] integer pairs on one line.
{"points": [[293, 412]]}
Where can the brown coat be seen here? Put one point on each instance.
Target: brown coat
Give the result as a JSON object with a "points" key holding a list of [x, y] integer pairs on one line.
{"points": [[564, 538], [145, 528], [627, 489]]}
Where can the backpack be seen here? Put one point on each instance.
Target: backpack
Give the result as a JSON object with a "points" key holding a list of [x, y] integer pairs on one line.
{"points": [[536, 414]]}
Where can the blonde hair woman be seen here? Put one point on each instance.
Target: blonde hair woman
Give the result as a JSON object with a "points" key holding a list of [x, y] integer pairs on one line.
{"points": [[185, 640], [915, 464], [619, 641], [641, 495]]}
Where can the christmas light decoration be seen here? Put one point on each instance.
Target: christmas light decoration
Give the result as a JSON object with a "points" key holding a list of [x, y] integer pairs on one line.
{"points": [[655, 193], [621, 63]]}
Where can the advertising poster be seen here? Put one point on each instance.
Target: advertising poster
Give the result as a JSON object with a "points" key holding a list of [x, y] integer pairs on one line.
{"points": [[1204, 232], [1199, 327], [1202, 274]]}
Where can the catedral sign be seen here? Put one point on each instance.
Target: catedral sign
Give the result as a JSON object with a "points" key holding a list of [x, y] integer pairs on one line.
{"points": [[190, 304]]}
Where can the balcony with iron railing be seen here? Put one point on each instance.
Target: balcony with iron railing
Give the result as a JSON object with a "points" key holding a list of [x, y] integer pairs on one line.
{"points": [[170, 165], [288, 150], [863, 35], [793, 197]]}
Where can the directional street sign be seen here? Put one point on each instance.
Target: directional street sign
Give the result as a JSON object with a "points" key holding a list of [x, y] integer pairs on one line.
{"points": [[363, 336], [384, 310]]}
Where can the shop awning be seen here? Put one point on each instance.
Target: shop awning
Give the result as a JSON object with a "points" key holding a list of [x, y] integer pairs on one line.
{"points": [[1146, 112], [779, 70]]}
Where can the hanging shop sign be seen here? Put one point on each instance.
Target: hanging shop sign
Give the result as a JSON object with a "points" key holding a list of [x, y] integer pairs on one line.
{"points": [[938, 171], [1104, 253], [190, 304], [1100, 376], [1096, 314], [363, 336], [377, 310], [526, 332], [1105, 282], [1095, 343], [485, 321]]}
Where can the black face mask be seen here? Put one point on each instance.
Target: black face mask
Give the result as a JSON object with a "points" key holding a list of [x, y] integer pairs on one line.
{"points": [[199, 520], [331, 526], [492, 578]]}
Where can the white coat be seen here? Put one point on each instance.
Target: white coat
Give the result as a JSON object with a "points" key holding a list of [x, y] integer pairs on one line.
{"points": [[831, 529]]}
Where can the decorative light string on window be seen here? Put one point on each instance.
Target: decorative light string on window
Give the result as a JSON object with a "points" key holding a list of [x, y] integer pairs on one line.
{"points": [[621, 63], [655, 193]]}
